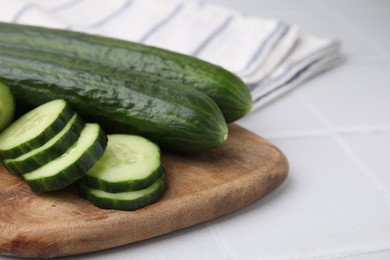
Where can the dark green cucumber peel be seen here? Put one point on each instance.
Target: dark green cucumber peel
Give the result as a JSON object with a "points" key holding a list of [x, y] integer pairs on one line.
{"points": [[225, 88], [177, 117], [72, 172], [47, 153], [120, 201], [36, 141]]}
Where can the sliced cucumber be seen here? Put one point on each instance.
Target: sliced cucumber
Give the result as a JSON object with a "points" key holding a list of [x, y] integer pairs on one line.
{"points": [[72, 165], [34, 129], [49, 151], [7, 106], [130, 200], [130, 162]]}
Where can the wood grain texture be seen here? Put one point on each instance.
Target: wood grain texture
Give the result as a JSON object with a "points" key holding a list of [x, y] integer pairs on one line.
{"points": [[200, 188]]}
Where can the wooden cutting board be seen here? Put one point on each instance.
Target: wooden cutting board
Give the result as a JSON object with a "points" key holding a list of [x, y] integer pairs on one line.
{"points": [[200, 188]]}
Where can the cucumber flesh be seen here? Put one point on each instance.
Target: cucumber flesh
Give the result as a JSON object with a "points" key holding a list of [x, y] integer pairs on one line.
{"points": [[49, 151], [130, 162], [33, 129], [71, 165], [130, 200], [7, 106]]}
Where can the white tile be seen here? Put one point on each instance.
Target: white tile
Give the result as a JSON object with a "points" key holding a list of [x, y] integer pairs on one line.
{"points": [[373, 23], [373, 150], [365, 18], [327, 208], [350, 5], [285, 116], [354, 94]]}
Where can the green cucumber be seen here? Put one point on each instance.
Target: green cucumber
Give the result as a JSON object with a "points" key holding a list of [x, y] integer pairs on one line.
{"points": [[225, 88], [130, 200], [34, 128], [7, 106], [49, 151], [129, 162], [177, 117], [72, 165]]}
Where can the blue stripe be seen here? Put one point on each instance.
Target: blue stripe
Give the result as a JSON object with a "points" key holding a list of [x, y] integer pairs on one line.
{"points": [[291, 64], [263, 44], [21, 12], [293, 78], [214, 34], [161, 24], [296, 76], [108, 18]]}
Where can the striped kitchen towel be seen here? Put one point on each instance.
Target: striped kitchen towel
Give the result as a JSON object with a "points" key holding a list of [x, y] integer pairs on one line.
{"points": [[269, 55]]}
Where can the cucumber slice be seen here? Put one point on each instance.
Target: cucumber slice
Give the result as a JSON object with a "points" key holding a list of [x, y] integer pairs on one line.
{"points": [[130, 162], [49, 151], [7, 106], [72, 165], [34, 128], [130, 200]]}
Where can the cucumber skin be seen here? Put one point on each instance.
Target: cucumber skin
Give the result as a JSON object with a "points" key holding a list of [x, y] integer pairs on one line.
{"points": [[96, 183], [74, 171], [39, 140], [177, 117], [127, 205], [226, 89], [34, 162]]}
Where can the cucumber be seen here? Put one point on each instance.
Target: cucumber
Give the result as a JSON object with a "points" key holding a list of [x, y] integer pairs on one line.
{"points": [[177, 117], [225, 88], [129, 162], [72, 165], [49, 151], [130, 200], [34, 128], [7, 106]]}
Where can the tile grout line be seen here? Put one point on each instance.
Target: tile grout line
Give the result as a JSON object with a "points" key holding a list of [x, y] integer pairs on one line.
{"points": [[343, 255], [345, 148], [361, 167], [337, 255], [352, 27]]}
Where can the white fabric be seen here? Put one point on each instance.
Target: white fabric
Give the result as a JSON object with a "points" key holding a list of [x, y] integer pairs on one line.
{"points": [[269, 55], [310, 56]]}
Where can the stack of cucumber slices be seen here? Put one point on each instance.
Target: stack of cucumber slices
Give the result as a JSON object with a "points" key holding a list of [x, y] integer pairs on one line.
{"points": [[51, 147], [128, 176]]}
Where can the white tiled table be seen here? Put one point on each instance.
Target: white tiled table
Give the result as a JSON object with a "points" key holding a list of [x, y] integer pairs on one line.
{"points": [[335, 131]]}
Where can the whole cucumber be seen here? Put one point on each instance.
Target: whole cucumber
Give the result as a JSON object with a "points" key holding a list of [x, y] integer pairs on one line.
{"points": [[225, 88], [177, 117]]}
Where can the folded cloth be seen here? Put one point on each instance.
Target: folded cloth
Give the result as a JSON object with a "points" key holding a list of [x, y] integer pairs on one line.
{"points": [[310, 56], [269, 55]]}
